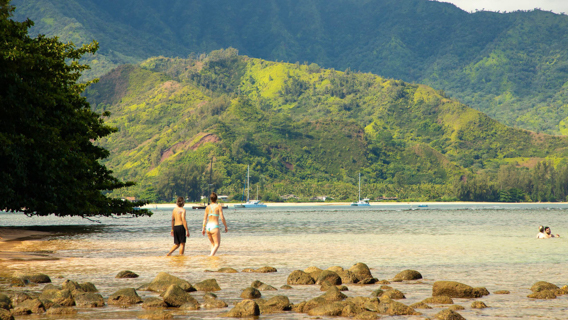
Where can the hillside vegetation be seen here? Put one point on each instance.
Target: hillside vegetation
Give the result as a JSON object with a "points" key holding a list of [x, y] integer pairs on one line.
{"points": [[308, 131], [512, 66]]}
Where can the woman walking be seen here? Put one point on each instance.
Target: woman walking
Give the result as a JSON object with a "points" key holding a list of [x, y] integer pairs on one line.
{"points": [[213, 212]]}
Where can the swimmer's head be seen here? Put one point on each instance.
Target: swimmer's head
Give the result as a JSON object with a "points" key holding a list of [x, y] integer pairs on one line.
{"points": [[180, 202], [541, 229], [547, 230], [213, 197]]}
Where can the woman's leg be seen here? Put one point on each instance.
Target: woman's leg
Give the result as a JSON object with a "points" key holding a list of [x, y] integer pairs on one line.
{"points": [[215, 238], [173, 249]]}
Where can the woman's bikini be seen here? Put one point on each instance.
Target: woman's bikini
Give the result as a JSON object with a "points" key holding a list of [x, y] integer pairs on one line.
{"points": [[210, 224]]}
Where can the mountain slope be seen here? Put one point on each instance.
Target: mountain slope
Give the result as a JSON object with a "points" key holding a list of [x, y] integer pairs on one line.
{"points": [[300, 127], [512, 66]]}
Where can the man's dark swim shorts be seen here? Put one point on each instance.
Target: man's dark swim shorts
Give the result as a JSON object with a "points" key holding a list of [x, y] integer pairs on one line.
{"points": [[179, 234]]}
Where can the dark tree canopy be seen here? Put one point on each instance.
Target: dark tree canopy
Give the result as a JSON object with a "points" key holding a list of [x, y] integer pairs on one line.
{"points": [[48, 162]]}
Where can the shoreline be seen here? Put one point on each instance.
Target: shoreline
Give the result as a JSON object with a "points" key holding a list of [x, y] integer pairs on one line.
{"points": [[373, 204]]}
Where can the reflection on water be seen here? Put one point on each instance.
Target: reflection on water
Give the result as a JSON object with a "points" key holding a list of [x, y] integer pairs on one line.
{"points": [[493, 247]]}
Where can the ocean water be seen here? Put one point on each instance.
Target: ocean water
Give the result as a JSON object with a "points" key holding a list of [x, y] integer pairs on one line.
{"points": [[479, 245]]}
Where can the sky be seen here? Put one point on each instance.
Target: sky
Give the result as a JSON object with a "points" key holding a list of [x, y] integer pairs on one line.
{"points": [[557, 6]]}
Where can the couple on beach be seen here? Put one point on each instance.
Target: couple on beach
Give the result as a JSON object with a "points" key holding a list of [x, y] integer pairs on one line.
{"points": [[213, 212], [545, 233]]}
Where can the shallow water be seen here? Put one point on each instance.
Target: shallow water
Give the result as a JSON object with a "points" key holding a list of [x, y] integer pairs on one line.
{"points": [[489, 246]]}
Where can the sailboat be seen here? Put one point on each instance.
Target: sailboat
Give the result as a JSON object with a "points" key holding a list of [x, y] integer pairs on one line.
{"points": [[250, 203], [361, 203]]}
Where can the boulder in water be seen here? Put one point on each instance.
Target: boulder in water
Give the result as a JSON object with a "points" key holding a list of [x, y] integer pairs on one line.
{"points": [[126, 274], [455, 289], [154, 303], [243, 309], [5, 302], [408, 275], [393, 294], [61, 297], [36, 278], [439, 300], [28, 307], [125, 296], [299, 277], [361, 271], [329, 276], [478, 305], [89, 300], [251, 293], [175, 296], [156, 315], [207, 285], [543, 285], [275, 304], [448, 314], [164, 280], [543, 294], [5, 315]]}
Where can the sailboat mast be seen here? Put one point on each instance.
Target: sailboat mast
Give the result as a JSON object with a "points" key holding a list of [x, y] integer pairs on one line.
{"points": [[359, 186], [248, 183]]}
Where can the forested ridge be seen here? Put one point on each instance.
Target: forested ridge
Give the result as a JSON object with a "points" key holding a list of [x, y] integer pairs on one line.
{"points": [[512, 66], [309, 131]]}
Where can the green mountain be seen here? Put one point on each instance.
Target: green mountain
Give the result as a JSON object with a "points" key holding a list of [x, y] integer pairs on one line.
{"points": [[303, 130], [512, 66]]}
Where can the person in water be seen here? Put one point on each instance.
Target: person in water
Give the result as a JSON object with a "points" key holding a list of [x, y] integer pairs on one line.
{"points": [[213, 212], [179, 227], [545, 233]]}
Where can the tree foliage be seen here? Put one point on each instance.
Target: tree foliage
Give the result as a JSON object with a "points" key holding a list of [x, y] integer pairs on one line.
{"points": [[48, 162]]}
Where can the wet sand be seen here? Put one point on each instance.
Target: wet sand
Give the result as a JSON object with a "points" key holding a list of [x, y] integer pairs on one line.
{"points": [[13, 238]]}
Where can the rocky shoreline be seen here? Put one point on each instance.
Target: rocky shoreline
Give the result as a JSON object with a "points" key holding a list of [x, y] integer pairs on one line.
{"points": [[169, 296]]}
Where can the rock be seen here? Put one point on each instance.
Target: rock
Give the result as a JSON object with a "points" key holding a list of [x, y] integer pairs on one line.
{"points": [[544, 294], [5, 315], [164, 280], [227, 270], [330, 309], [352, 308], [328, 276], [89, 300], [286, 287], [266, 270], [347, 276], [18, 297], [372, 304], [62, 297], [326, 285], [175, 296], [28, 307], [562, 291], [454, 289], [439, 300], [420, 305], [383, 282], [153, 303], [36, 278], [156, 315], [300, 277], [393, 294], [125, 296], [456, 307], [299, 308], [275, 304], [361, 271], [478, 305], [448, 314], [312, 269], [313, 303], [207, 285], [368, 281], [75, 287], [126, 274], [267, 287], [51, 287], [243, 309], [396, 308], [502, 292], [211, 301], [18, 282], [59, 310], [250, 293], [333, 294], [190, 306], [5, 302], [386, 288], [543, 285], [367, 315], [248, 270], [377, 293], [408, 275]]}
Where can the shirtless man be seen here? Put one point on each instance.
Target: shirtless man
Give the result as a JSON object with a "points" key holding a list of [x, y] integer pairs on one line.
{"points": [[179, 227]]}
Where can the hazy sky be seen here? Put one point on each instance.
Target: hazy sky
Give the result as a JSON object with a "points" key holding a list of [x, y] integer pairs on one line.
{"points": [[557, 6]]}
